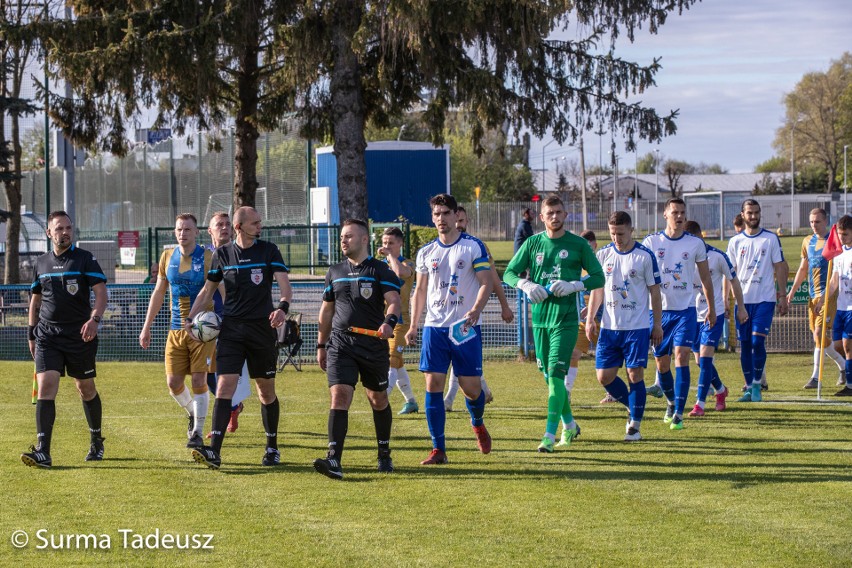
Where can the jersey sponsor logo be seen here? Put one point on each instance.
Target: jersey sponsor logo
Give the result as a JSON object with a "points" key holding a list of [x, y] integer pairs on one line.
{"points": [[244, 260], [454, 284], [458, 301], [72, 287], [366, 289], [554, 274], [257, 275], [539, 258], [563, 254]]}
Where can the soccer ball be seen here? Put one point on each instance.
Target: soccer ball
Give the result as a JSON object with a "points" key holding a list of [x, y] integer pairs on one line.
{"points": [[205, 326]]}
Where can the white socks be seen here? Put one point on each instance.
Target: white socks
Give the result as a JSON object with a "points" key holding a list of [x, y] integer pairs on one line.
{"points": [[403, 383], [200, 403], [570, 377], [184, 399]]}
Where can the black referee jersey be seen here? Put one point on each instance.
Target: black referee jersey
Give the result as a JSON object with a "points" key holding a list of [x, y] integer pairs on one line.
{"points": [[358, 293], [65, 282], [248, 275]]}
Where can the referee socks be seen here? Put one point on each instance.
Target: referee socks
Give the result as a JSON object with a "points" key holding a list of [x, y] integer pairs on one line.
{"points": [[221, 416], [92, 409], [338, 425], [45, 417], [269, 413]]}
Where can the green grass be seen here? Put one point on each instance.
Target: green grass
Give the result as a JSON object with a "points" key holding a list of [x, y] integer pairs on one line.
{"points": [[759, 485]]}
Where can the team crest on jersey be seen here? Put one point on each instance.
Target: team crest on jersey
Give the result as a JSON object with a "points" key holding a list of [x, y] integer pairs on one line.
{"points": [[366, 290], [661, 253], [685, 256], [633, 273], [563, 254], [539, 258], [72, 287], [609, 268], [460, 265], [197, 267], [434, 264], [257, 275]]}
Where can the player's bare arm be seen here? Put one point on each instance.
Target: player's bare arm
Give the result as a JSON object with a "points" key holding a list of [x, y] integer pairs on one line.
{"points": [[204, 297], [418, 304], [595, 301], [801, 274], [394, 308], [781, 271], [90, 328], [707, 287], [742, 314], [279, 314], [326, 314], [657, 311], [35, 306], [485, 285], [155, 304]]}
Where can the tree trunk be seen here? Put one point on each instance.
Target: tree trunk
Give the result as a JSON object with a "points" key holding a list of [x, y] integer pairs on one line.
{"points": [[12, 272], [348, 112], [245, 127]]}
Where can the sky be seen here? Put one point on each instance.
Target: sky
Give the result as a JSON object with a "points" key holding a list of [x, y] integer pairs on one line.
{"points": [[727, 65]]}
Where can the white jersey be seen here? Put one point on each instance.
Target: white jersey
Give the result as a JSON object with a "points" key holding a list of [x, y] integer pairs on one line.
{"points": [[720, 268], [676, 259], [843, 267], [753, 259], [627, 278], [453, 285]]}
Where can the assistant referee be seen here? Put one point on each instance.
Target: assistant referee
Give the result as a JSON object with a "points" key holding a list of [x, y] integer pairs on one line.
{"points": [[63, 334], [246, 268], [355, 296]]}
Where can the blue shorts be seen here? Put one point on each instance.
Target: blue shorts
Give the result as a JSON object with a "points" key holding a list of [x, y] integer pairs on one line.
{"points": [[616, 347], [437, 352], [842, 328], [679, 328], [710, 336], [759, 319]]}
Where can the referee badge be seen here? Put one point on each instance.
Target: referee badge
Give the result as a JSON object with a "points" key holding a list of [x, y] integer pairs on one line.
{"points": [[72, 287], [257, 275], [366, 290]]}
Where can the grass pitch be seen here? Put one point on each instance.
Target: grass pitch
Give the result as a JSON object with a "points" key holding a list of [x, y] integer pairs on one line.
{"points": [[758, 485]]}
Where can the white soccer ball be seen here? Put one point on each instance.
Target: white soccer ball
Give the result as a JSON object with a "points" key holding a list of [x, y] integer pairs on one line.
{"points": [[206, 326]]}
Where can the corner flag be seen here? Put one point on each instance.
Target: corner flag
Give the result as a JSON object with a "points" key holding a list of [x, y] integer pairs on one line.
{"points": [[833, 247]]}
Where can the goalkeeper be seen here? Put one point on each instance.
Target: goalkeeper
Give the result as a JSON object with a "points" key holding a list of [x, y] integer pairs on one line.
{"points": [[555, 260]]}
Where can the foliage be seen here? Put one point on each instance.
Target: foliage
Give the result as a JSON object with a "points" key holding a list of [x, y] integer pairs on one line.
{"points": [[420, 236], [673, 170], [776, 164], [818, 121]]}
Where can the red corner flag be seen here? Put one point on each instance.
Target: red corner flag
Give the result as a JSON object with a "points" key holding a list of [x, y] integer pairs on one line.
{"points": [[832, 247]]}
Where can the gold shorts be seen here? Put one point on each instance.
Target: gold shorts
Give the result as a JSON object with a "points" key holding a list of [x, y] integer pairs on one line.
{"points": [[583, 345], [185, 356], [815, 318], [397, 344]]}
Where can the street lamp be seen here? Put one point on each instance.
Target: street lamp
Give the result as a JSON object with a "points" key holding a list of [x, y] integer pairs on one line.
{"points": [[657, 189], [845, 186], [542, 163], [793, 172], [615, 179]]}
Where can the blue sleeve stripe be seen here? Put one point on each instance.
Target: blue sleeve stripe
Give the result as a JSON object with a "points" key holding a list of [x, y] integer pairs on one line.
{"points": [[34, 284], [390, 284], [328, 289], [60, 274], [364, 278], [243, 266], [280, 264], [96, 275]]}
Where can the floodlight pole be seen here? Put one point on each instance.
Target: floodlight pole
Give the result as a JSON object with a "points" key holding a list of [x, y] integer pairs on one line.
{"points": [[657, 189], [542, 163], [845, 186], [792, 175]]}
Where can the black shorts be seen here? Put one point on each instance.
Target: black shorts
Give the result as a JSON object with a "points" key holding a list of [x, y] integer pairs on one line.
{"points": [[247, 341], [352, 356], [63, 349]]}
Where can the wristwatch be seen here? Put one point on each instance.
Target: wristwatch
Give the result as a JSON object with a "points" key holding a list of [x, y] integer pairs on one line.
{"points": [[96, 319]]}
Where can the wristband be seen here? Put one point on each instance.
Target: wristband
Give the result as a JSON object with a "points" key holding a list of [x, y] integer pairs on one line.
{"points": [[284, 306], [321, 346], [392, 320], [31, 332]]}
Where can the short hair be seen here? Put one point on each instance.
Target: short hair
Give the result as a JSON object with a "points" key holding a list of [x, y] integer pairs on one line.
{"points": [[739, 221], [693, 228], [358, 222], [446, 200], [58, 213], [241, 213], [526, 210], [552, 200], [845, 222], [674, 201], [589, 235], [187, 217], [620, 218], [461, 209], [818, 211], [220, 214], [750, 202], [393, 232]]}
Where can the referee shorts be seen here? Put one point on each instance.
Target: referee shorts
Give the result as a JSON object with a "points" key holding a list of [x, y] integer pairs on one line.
{"points": [[247, 341], [351, 357], [185, 355], [64, 350]]}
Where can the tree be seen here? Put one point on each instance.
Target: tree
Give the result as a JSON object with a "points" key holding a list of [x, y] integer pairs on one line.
{"points": [[776, 164], [351, 62], [817, 122], [673, 170], [13, 62], [647, 163]]}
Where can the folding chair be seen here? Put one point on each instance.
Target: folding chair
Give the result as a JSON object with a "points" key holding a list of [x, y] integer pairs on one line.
{"points": [[289, 342]]}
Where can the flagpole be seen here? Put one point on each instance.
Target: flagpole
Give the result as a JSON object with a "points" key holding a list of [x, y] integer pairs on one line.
{"points": [[824, 311]]}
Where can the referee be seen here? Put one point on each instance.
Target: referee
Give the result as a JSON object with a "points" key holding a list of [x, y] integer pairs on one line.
{"points": [[246, 268], [355, 296], [63, 334]]}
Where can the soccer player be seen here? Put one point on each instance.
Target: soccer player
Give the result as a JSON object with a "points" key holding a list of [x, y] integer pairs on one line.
{"points": [[758, 260], [453, 285], [632, 277], [404, 269], [183, 271], [357, 291], [505, 313], [555, 260], [841, 287], [679, 255], [707, 338], [63, 334], [246, 268], [815, 268]]}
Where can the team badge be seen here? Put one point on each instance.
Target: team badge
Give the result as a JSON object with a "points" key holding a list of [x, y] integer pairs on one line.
{"points": [[539, 258], [633, 273], [685, 256], [563, 254], [661, 253], [460, 265], [257, 275], [72, 287], [609, 268], [197, 267], [366, 290], [434, 264]]}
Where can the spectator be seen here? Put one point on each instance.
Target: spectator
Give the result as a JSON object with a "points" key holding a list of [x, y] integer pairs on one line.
{"points": [[152, 275], [524, 230]]}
